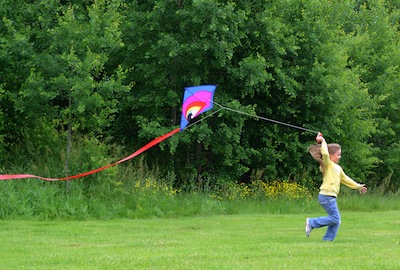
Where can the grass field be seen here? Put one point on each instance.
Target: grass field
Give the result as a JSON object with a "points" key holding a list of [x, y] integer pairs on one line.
{"points": [[366, 240]]}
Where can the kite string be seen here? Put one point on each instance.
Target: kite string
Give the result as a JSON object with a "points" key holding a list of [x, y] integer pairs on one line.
{"points": [[250, 115], [264, 118]]}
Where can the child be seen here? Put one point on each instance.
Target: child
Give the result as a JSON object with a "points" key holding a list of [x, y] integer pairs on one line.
{"points": [[328, 156]]}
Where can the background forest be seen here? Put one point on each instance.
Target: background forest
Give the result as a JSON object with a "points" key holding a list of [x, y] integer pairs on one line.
{"points": [[85, 83]]}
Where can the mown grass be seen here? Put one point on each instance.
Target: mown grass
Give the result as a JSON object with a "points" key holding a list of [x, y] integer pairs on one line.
{"points": [[366, 240]]}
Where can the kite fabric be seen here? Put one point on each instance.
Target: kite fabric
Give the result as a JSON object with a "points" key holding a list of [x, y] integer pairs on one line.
{"points": [[196, 100]]}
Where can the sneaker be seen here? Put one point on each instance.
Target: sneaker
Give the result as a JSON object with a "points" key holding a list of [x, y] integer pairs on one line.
{"points": [[308, 228]]}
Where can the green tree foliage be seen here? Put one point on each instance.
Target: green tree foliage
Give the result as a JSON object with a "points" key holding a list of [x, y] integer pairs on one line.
{"points": [[173, 45], [374, 52], [57, 77], [271, 59], [119, 68], [2, 123]]}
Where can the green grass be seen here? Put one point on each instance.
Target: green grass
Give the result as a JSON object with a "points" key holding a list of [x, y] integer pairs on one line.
{"points": [[366, 240]]}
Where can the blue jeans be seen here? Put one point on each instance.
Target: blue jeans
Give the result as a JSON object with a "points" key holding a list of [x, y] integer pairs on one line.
{"points": [[332, 220]]}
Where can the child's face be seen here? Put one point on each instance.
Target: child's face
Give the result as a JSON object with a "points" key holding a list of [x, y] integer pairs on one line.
{"points": [[336, 156]]}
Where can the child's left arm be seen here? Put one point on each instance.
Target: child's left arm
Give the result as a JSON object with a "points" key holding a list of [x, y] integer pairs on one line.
{"points": [[346, 180]]}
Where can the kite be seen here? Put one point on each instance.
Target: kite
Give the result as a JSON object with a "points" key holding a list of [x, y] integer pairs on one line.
{"points": [[196, 100]]}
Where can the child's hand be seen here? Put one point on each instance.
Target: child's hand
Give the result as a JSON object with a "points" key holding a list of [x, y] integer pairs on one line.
{"points": [[362, 189], [319, 138]]}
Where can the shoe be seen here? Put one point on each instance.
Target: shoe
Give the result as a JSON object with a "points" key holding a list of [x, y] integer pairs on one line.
{"points": [[308, 228]]}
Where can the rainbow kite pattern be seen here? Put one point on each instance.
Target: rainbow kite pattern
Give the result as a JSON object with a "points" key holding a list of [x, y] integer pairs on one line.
{"points": [[196, 100]]}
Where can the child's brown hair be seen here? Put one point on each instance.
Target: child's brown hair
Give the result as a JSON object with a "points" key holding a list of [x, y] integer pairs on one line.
{"points": [[315, 151]]}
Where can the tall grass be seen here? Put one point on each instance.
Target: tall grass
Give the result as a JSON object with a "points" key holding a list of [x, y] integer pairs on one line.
{"points": [[34, 199], [46, 200], [132, 190]]}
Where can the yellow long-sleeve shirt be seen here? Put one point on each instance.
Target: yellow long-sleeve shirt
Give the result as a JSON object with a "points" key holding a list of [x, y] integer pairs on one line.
{"points": [[333, 175]]}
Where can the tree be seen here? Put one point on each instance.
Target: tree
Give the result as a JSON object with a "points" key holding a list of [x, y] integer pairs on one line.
{"points": [[171, 46], [374, 52], [270, 59], [329, 66], [65, 85]]}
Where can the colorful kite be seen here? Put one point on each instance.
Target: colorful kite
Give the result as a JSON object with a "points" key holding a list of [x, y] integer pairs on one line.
{"points": [[196, 100]]}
